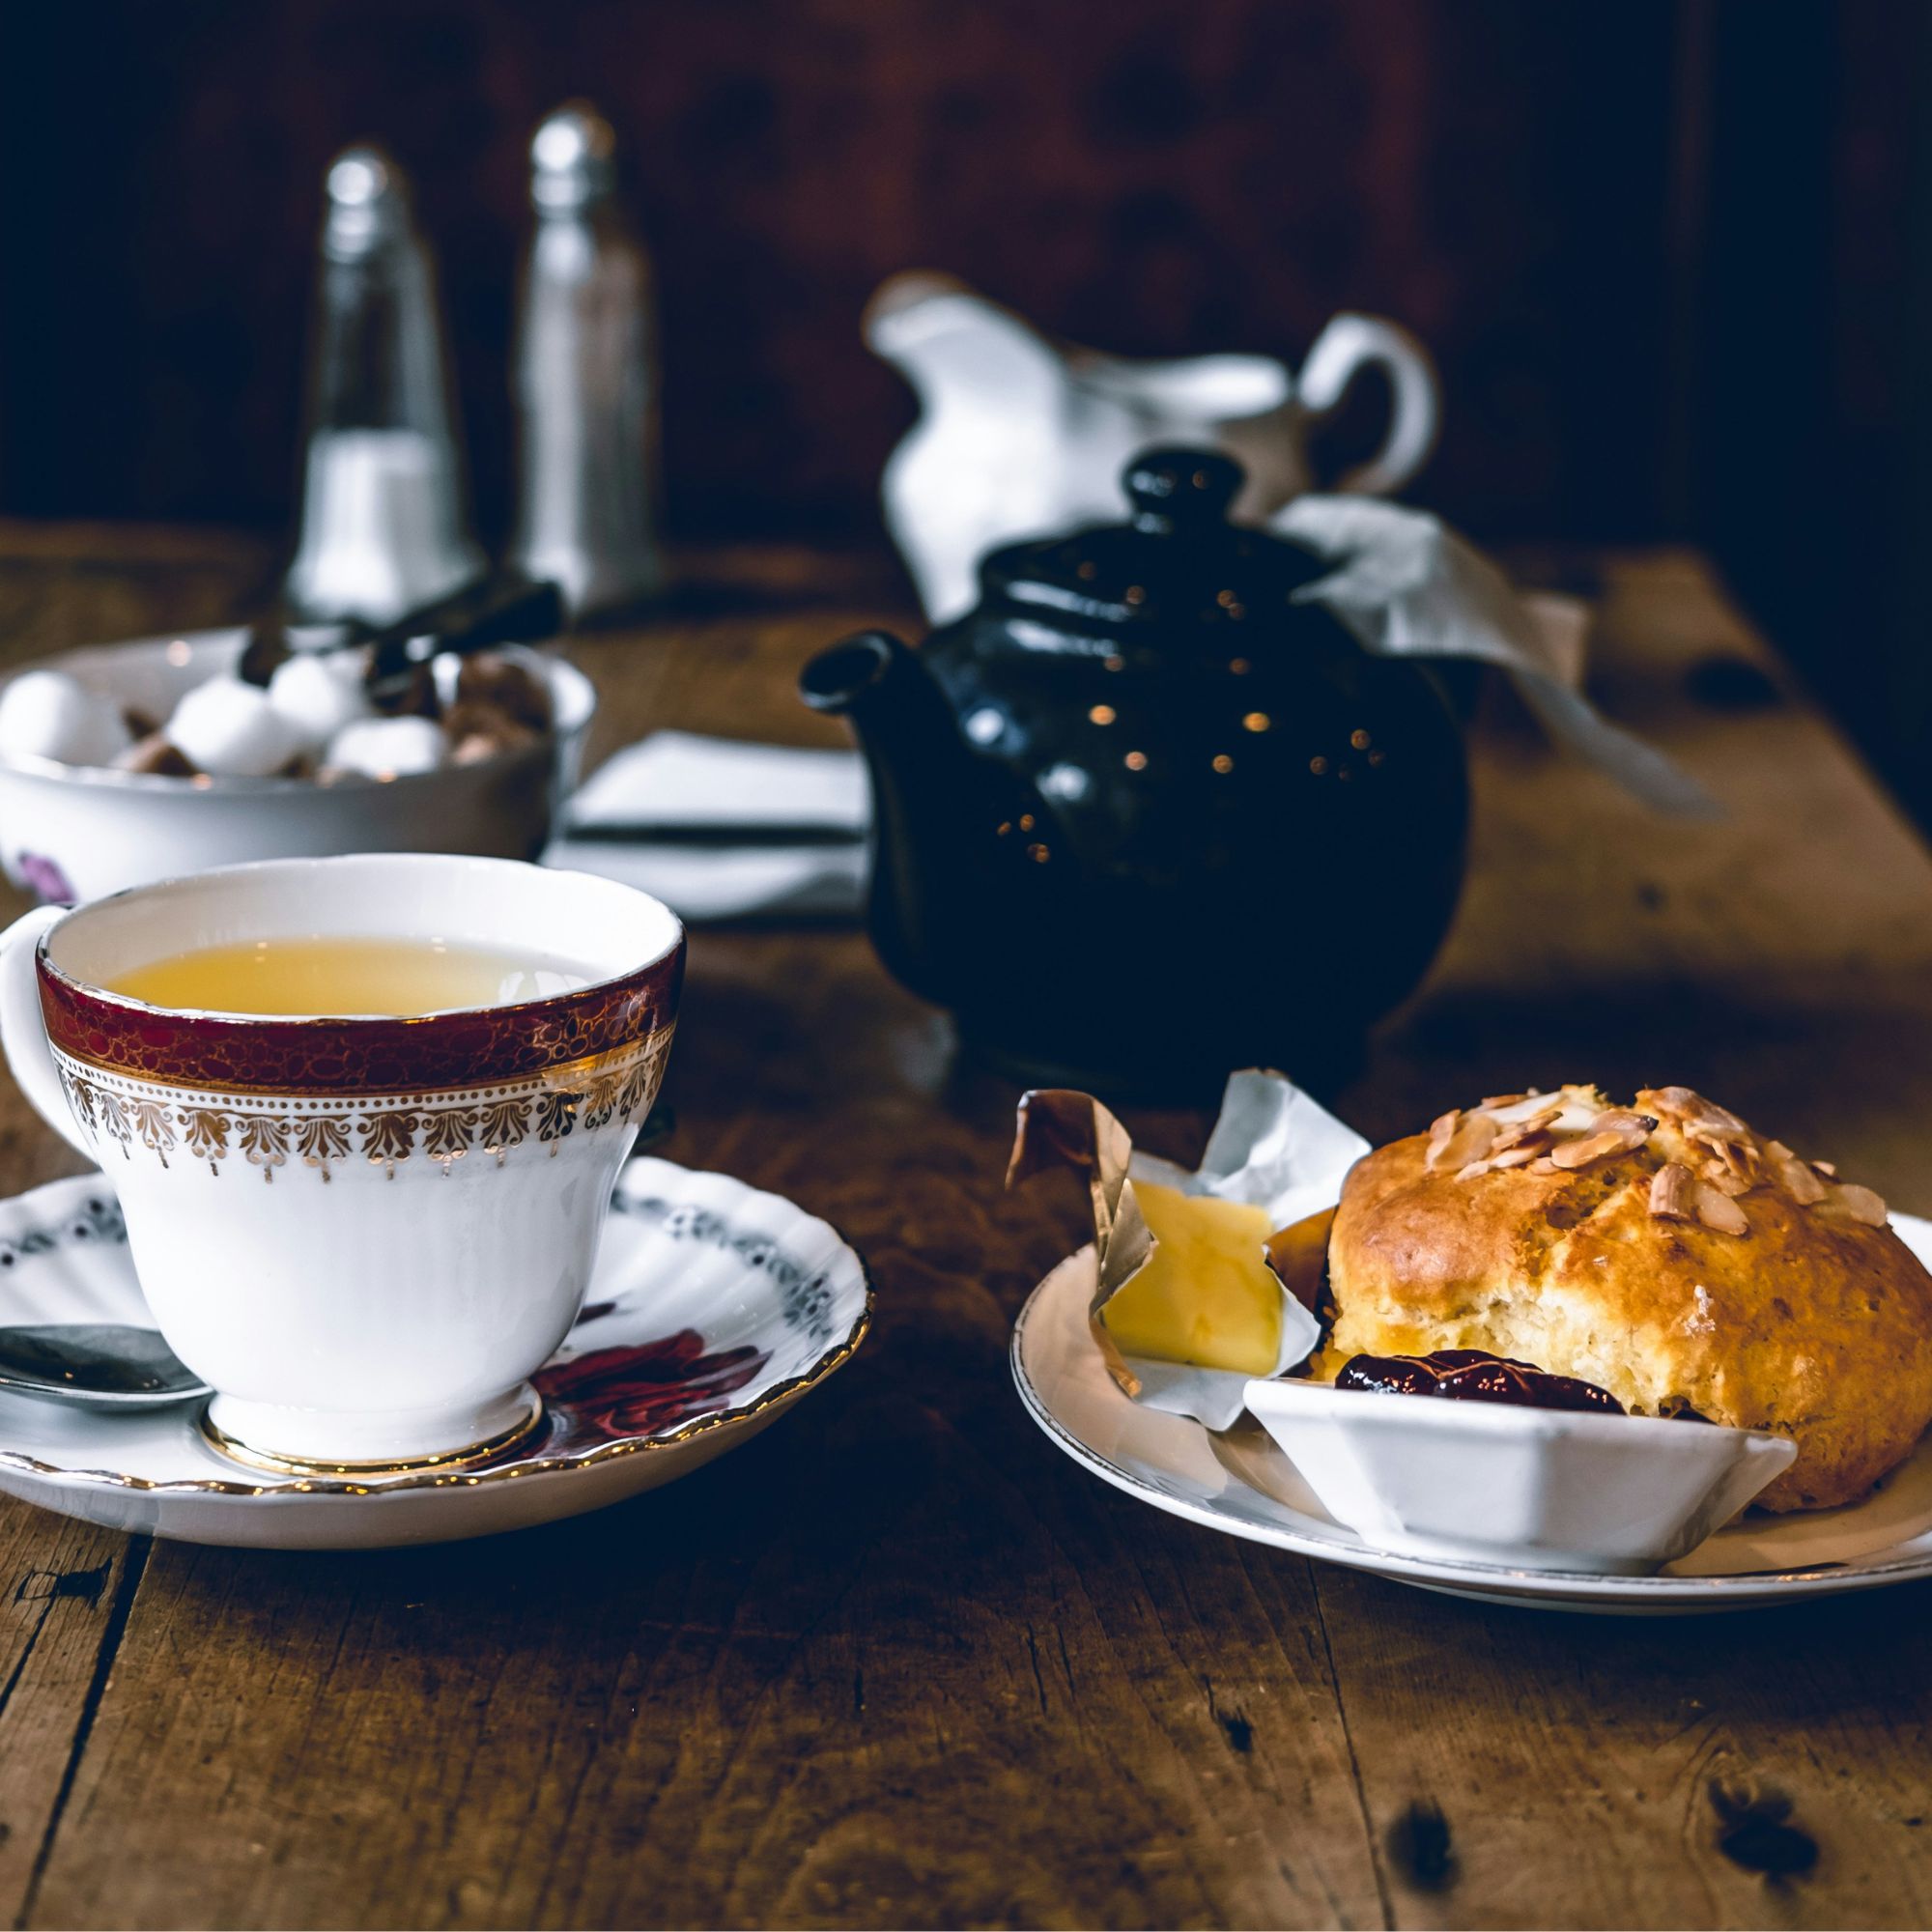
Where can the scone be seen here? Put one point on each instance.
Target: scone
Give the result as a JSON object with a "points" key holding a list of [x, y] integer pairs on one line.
{"points": [[1664, 1252]]}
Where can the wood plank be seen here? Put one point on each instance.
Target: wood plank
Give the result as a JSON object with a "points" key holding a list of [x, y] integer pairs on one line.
{"points": [[1779, 956], [1522, 1769], [65, 1588]]}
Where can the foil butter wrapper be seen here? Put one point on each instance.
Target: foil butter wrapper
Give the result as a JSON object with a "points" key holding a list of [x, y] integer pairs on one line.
{"points": [[1272, 1147]]}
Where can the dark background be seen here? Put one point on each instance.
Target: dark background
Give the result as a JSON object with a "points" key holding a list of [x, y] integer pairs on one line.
{"points": [[1675, 260]]}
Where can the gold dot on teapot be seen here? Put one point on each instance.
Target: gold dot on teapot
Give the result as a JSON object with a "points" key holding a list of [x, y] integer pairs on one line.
{"points": [[1376, 757], [1102, 714], [1133, 595], [1135, 762], [1222, 763], [1237, 666], [1318, 766], [1088, 572], [1114, 664], [1359, 739], [1039, 854], [1026, 822], [1256, 720], [1003, 828]]}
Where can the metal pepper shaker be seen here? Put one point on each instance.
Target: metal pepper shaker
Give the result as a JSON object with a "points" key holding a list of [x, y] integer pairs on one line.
{"points": [[584, 380], [384, 522]]}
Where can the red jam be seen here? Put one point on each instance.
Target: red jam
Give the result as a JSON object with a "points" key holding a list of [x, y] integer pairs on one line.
{"points": [[1473, 1375]]}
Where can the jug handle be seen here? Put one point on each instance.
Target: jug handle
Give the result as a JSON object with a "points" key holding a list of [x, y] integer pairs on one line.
{"points": [[23, 1033], [1351, 343]]}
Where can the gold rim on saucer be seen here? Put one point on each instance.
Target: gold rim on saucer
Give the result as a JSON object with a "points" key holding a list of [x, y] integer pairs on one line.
{"points": [[464, 1458]]}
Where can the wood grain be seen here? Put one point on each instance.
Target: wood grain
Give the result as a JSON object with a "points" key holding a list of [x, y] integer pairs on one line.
{"points": [[1524, 1769], [898, 1662], [65, 1591]]}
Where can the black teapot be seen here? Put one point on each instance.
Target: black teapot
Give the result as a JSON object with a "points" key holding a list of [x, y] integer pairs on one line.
{"points": [[1141, 816]]}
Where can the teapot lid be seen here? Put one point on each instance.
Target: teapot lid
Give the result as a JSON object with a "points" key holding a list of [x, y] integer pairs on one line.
{"points": [[1178, 560]]}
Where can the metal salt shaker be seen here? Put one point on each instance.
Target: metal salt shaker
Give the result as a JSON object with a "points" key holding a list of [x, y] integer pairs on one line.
{"points": [[384, 520], [586, 385]]}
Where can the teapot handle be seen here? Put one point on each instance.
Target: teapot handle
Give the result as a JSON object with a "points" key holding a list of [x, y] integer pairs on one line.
{"points": [[1351, 343]]}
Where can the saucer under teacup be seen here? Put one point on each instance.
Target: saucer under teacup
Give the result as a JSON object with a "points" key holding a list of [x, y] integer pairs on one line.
{"points": [[712, 1308]]}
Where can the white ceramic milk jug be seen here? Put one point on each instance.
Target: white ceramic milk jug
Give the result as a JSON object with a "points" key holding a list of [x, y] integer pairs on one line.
{"points": [[1019, 436]]}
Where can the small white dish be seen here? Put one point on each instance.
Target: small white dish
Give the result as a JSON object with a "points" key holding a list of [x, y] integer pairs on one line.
{"points": [[1539, 1488], [70, 833], [1240, 1482], [712, 1309]]}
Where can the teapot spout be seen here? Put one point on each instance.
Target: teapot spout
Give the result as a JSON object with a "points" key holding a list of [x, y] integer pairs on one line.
{"points": [[871, 677], [922, 774]]}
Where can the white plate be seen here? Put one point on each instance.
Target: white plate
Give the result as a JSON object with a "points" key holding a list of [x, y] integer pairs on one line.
{"points": [[712, 1309], [1238, 1481]]}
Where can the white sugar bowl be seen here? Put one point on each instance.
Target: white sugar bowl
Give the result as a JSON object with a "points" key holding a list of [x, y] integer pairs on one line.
{"points": [[72, 832]]}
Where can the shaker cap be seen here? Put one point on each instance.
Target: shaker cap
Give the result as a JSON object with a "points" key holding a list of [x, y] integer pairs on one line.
{"points": [[368, 201], [1178, 561], [573, 157]]}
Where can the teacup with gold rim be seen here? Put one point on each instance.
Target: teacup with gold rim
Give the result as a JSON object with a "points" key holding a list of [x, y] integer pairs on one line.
{"points": [[365, 1231]]}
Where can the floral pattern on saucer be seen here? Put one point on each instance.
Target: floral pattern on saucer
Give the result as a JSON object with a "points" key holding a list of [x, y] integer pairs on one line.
{"points": [[610, 1394]]}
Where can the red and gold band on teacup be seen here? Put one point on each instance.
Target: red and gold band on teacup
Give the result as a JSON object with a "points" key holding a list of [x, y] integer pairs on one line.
{"points": [[242, 1053]]}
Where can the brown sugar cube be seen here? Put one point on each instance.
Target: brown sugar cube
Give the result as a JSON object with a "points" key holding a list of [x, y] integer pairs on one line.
{"points": [[478, 730], [156, 757], [510, 687]]}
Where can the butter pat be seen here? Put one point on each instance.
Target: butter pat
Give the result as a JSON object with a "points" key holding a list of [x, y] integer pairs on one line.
{"points": [[1186, 1311], [1205, 1295]]}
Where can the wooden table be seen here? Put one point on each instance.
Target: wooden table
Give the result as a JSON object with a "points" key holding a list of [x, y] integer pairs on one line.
{"points": [[899, 1661]]}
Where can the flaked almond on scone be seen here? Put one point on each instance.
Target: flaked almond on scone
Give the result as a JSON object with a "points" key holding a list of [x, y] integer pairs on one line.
{"points": [[1665, 1252]]}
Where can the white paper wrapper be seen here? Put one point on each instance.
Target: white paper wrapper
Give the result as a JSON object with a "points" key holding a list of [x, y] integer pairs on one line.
{"points": [[1407, 586], [1272, 1146]]}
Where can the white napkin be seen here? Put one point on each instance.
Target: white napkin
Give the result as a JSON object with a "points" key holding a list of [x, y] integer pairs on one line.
{"points": [[678, 780], [1407, 586]]}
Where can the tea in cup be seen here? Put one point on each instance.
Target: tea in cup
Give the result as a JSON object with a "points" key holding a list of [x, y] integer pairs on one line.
{"points": [[363, 1115]]}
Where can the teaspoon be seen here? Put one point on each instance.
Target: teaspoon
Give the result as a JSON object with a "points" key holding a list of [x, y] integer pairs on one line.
{"points": [[95, 1365]]}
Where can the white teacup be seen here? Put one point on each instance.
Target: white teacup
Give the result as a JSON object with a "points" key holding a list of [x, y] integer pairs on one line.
{"points": [[363, 1233]]}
